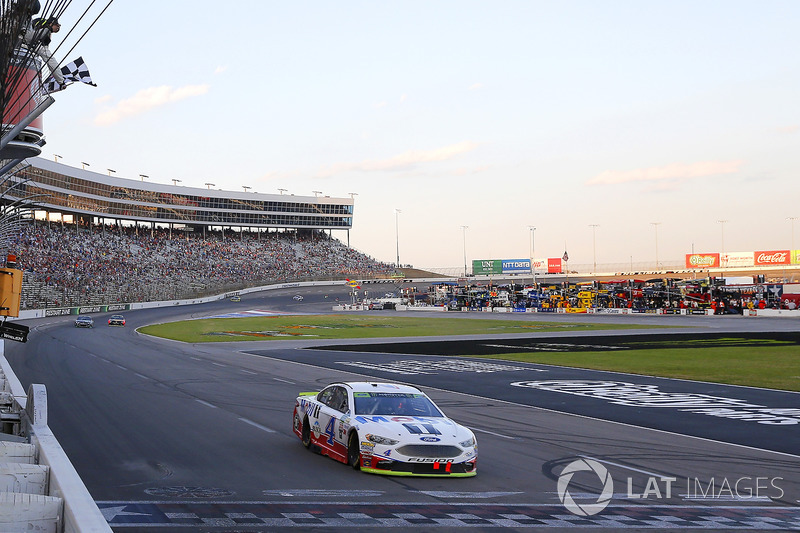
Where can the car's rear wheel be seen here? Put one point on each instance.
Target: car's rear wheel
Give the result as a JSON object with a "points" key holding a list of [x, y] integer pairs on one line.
{"points": [[305, 433], [354, 451]]}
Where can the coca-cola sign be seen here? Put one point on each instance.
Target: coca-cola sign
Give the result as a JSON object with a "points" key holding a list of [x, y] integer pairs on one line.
{"points": [[702, 260], [773, 257]]}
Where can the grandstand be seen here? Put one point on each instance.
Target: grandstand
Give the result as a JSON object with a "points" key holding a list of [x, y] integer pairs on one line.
{"points": [[100, 240]]}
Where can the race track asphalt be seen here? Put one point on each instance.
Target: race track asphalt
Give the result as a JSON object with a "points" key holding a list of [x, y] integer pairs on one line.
{"points": [[172, 436]]}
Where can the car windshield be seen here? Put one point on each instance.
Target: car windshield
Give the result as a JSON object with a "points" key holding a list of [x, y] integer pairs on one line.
{"points": [[393, 403]]}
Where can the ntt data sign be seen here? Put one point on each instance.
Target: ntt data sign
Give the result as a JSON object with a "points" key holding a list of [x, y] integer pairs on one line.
{"points": [[486, 267]]}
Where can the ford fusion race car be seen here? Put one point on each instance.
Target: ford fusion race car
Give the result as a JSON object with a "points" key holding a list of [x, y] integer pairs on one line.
{"points": [[384, 428], [116, 320]]}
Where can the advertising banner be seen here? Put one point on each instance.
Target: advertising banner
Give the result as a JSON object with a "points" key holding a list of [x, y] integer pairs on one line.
{"points": [[737, 259], [702, 260], [486, 267], [516, 266], [540, 264], [554, 265], [796, 257], [772, 258]]}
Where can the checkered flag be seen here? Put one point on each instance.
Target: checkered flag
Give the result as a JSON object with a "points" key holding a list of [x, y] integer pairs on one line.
{"points": [[75, 71]]}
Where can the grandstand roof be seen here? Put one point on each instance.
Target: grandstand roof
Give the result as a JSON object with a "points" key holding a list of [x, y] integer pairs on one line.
{"points": [[78, 191]]}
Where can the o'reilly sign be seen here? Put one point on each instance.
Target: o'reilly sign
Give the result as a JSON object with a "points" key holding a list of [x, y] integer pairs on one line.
{"points": [[487, 267]]}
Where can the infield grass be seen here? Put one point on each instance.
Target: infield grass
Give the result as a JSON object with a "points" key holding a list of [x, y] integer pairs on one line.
{"points": [[771, 366], [326, 327], [768, 364]]}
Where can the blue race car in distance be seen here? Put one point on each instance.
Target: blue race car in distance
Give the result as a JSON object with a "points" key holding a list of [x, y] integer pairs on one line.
{"points": [[84, 321]]}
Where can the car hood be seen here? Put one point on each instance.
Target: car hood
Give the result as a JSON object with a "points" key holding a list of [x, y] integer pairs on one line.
{"points": [[405, 427]]}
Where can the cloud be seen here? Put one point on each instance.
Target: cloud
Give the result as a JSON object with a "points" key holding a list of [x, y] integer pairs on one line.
{"points": [[471, 171], [147, 99], [673, 172], [405, 161], [220, 69], [789, 129], [475, 86]]}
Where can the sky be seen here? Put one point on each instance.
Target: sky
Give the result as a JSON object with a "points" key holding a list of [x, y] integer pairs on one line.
{"points": [[622, 131]]}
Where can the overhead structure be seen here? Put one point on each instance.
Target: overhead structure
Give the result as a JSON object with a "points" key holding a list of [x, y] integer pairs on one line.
{"points": [[21, 99], [91, 197]]}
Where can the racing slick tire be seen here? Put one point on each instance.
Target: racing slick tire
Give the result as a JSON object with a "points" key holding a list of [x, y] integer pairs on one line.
{"points": [[353, 451], [305, 433]]}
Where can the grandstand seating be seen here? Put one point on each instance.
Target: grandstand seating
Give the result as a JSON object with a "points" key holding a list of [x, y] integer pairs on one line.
{"points": [[65, 266]]}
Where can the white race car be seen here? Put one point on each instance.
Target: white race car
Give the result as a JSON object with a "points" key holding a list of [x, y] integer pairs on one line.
{"points": [[384, 428]]}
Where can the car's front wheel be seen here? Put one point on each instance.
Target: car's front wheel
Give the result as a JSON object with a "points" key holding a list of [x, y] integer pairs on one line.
{"points": [[305, 433], [354, 451]]}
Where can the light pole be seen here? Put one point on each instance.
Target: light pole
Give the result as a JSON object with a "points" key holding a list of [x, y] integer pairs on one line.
{"points": [[397, 233], [246, 187], [56, 157], [84, 164], [175, 181], [594, 247], [722, 224], [282, 190], [533, 250], [792, 219], [317, 193], [143, 176], [464, 232], [655, 225], [110, 170]]}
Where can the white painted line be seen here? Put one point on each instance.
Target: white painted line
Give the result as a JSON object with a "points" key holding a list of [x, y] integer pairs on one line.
{"points": [[259, 426], [493, 433], [304, 493], [140, 375], [734, 498], [645, 472], [285, 381], [120, 366], [219, 364], [198, 400], [482, 495], [250, 372]]}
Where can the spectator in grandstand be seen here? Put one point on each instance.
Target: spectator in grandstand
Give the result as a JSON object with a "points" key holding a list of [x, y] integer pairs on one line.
{"points": [[113, 264]]}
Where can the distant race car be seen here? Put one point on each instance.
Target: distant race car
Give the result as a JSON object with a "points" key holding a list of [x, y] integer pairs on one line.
{"points": [[385, 428], [236, 298], [298, 297], [84, 321], [116, 320]]}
